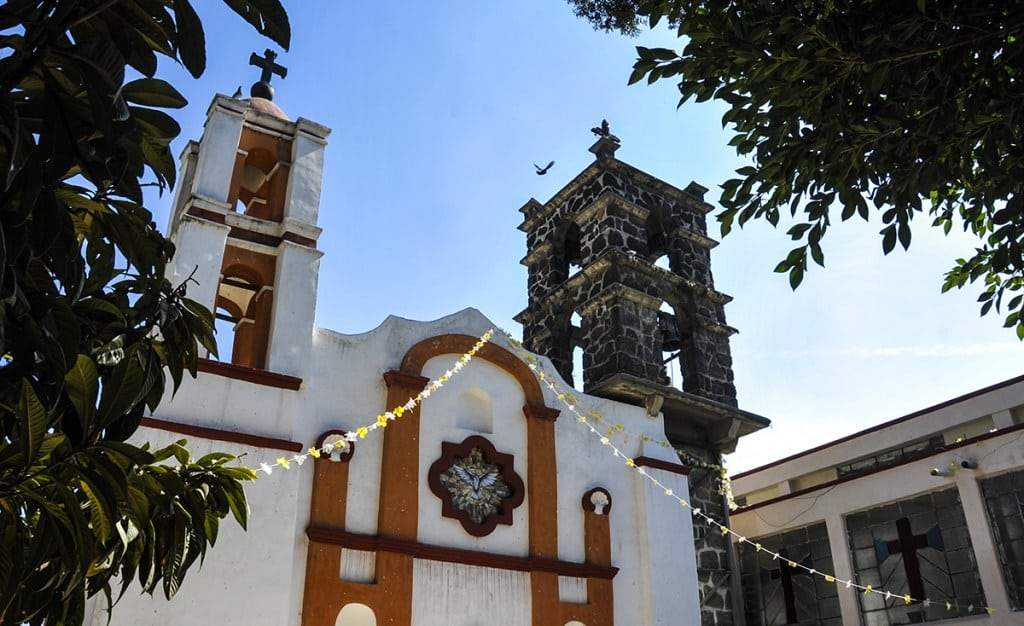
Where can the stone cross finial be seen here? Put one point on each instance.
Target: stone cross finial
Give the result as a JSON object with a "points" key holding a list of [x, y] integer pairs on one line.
{"points": [[605, 130], [262, 89], [607, 143]]}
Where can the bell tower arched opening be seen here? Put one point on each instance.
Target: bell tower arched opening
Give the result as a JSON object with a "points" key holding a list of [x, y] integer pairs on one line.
{"points": [[245, 229], [260, 177]]}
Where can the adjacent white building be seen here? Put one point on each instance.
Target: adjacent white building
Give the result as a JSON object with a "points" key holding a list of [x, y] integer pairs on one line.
{"points": [[930, 504]]}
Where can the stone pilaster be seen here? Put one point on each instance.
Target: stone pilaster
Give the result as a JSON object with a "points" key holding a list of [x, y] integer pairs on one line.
{"points": [[712, 549]]}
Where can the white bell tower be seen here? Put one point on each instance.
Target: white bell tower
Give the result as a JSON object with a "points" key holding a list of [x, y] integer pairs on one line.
{"points": [[244, 221]]}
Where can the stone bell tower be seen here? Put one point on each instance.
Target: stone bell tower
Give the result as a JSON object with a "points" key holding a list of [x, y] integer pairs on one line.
{"points": [[244, 221], [629, 256]]}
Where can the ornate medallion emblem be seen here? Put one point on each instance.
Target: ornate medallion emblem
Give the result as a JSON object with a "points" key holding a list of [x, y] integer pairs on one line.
{"points": [[476, 484]]}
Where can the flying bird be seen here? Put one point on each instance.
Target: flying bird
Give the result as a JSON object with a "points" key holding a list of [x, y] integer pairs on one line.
{"points": [[238, 93], [543, 170]]}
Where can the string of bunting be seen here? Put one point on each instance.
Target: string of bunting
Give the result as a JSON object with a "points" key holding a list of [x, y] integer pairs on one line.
{"points": [[568, 400], [587, 420], [382, 420]]}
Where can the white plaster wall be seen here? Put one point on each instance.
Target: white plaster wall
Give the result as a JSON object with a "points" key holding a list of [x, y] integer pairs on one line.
{"points": [[302, 202], [438, 423], [236, 405], [652, 536], [257, 577], [996, 455], [199, 254], [294, 309], [217, 151], [449, 594]]}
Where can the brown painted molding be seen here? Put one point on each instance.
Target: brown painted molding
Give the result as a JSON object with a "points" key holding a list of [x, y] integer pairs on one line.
{"points": [[668, 466], [867, 431], [270, 240], [248, 235], [299, 239], [541, 412], [408, 381], [415, 549], [419, 354], [249, 374], [846, 479], [350, 447], [589, 507], [450, 452], [222, 435], [204, 214]]}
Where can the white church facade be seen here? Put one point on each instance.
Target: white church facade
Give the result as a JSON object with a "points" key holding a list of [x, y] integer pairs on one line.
{"points": [[554, 533]]}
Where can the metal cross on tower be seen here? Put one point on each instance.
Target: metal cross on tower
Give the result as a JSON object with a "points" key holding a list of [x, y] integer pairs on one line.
{"points": [[908, 545], [262, 89]]}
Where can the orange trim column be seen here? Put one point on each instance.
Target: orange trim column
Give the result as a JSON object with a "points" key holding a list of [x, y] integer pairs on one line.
{"points": [[399, 473], [598, 611], [324, 594], [398, 512], [543, 493]]}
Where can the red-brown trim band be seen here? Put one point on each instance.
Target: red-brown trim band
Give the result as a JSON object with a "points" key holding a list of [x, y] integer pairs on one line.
{"points": [[222, 435], [248, 235], [540, 412], [668, 466], [373, 543], [249, 374]]}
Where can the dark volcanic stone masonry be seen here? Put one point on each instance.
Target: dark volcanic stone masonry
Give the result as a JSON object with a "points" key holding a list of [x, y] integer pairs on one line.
{"points": [[598, 249], [592, 249]]}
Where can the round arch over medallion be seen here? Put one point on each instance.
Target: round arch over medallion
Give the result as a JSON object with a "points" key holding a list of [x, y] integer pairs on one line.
{"points": [[419, 354]]}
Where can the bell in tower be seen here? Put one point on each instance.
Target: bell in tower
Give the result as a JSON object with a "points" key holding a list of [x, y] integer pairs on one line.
{"points": [[244, 222], [596, 252]]}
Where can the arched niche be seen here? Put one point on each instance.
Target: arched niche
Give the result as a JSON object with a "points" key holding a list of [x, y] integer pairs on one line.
{"points": [[476, 411], [356, 615]]}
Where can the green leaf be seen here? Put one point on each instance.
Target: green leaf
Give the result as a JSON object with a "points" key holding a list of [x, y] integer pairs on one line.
{"points": [[268, 17], [236, 500], [796, 276], [904, 235], [121, 391], [82, 385], [33, 416], [888, 239], [133, 453], [191, 38], [99, 511], [157, 124], [154, 92]]}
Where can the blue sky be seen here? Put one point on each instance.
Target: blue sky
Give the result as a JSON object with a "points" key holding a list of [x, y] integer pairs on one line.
{"points": [[438, 111]]}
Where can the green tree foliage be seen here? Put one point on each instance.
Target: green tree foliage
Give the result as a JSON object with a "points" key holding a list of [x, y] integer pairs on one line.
{"points": [[849, 107], [89, 324]]}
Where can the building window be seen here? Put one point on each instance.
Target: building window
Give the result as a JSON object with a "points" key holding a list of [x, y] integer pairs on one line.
{"points": [[892, 457], [1004, 499], [918, 547], [775, 593]]}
